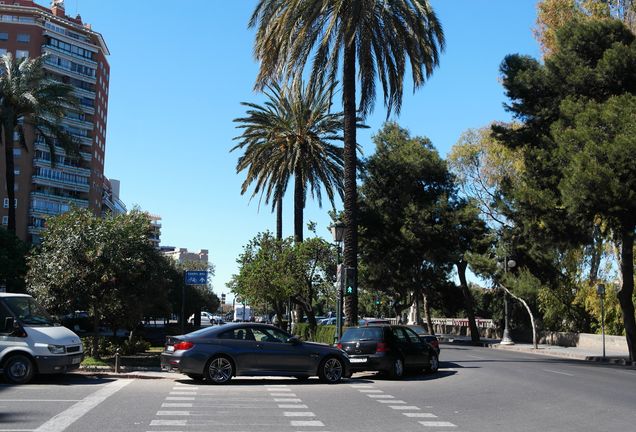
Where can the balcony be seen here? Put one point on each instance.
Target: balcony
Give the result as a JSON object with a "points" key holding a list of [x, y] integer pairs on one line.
{"points": [[79, 123], [61, 70], [69, 55], [62, 184], [67, 168]]}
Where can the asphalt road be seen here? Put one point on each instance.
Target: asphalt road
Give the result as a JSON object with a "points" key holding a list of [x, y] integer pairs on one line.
{"points": [[477, 389]]}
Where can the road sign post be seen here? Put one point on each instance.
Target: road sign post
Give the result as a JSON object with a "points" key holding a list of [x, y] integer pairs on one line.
{"points": [[191, 277], [600, 289]]}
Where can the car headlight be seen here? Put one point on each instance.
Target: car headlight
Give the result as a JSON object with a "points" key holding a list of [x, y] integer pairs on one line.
{"points": [[57, 349]]}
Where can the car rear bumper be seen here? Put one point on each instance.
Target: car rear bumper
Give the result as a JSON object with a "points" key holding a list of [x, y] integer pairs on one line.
{"points": [[373, 362]]}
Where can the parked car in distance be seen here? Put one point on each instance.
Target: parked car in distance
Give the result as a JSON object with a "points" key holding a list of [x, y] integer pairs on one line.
{"points": [[390, 349], [373, 321], [206, 318], [327, 321], [31, 342], [216, 354], [423, 333]]}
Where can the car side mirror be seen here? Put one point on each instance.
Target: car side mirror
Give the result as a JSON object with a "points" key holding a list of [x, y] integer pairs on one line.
{"points": [[293, 340], [8, 324]]}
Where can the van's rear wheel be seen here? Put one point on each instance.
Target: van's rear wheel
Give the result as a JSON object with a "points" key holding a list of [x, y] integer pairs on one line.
{"points": [[19, 369]]}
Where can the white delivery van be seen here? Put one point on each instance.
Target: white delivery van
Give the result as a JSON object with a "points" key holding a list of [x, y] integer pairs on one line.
{"points": [[31, 342], [242, 313]]}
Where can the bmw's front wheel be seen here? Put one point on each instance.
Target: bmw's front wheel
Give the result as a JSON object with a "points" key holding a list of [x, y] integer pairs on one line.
{"points": [[331, 370]]}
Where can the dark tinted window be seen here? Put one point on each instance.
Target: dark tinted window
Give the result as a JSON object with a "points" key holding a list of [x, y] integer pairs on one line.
{"points": [[400, 334], [366, 333], [238, 334], [412, 336]]}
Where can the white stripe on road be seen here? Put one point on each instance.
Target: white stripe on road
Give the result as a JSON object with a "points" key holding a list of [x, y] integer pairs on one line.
{"points": [[317, 423], [173, 413], [282, 394], [557, 372], [176, 405], [66, 418], [299, 414], [278, 389], [370, 391], [182, 393], [437, 424], [390, 401], [382, 396], [168, 423], [404, 407], [287, 400], [474, 356], [185, 387], [39, 400], [427, 415], [179, 398], [361, 386], [292, 406]]}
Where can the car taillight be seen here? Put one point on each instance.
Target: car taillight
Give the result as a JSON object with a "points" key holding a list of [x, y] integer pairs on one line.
{"points": [[339, 345], [182, 346], [382, 347]]}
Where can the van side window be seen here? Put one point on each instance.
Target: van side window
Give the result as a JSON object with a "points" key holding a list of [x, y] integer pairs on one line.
{"points": [[4, 314]]}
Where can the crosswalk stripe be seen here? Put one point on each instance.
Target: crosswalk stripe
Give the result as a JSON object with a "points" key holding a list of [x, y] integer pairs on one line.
{"points": [[181, 398], [290, 406], [299, 414], [176, 405], [168, 423], [437, 424], [173, 413], [429, 415], [404, 407], [316, 423]]}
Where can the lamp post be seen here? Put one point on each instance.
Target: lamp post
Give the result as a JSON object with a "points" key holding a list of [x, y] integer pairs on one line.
{"points": [[337, 231], [600, 289], [506, 339]]}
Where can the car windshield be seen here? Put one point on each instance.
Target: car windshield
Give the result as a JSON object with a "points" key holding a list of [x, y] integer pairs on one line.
{"points": [[366, 333], [28, 312]]}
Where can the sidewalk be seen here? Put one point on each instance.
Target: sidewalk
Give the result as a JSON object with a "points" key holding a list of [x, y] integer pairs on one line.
{"points": [[611, 357]]}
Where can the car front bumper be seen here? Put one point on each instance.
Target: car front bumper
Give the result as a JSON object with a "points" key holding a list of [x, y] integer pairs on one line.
{"points": [[58, 364]]}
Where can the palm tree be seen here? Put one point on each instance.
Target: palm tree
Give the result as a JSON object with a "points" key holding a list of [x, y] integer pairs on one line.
{"points": [[292, 135], [375, 36], [31, 105]]}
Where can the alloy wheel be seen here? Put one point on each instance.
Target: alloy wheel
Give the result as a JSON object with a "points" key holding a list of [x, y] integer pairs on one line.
{"points": [[220, 370], [332, 370]]}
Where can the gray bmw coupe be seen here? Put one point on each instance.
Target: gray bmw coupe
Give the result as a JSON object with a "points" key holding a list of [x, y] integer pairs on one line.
{"points": [[216, 354]]}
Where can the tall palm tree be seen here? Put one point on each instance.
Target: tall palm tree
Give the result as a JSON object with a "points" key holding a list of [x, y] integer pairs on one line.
{"points": [[374, 36], [31, 105], [292, 134]]}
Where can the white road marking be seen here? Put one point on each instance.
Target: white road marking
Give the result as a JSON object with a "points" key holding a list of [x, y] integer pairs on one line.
{"points": [[361, 386], [317, 423], [292, 406], [173, 413], [39, 400], [390, 401], [404, 407], [181, 398], [299, 414], [176, 405], [66, 418], [282, 394], [278, 389], [428, 415], [370, 391], [182, 393], [286, 400], [168, 423], [437, 424], [381, 396], [474, 356], [558, 372], [278, 385]]}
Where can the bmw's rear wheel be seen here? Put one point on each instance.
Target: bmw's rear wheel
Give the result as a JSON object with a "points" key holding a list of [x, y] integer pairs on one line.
{"points": [[219, 370], [397, 369], [331, 370]]}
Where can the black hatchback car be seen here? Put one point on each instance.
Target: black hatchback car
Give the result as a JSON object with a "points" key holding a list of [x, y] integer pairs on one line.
{"points": [[218, 353], [390, 349]]}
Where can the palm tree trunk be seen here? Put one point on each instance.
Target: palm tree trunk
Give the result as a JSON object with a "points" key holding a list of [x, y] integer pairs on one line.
{"points": [[279, 218], [627, 291], [299, 205], [10, 174], [468, 301], [350, 171]]}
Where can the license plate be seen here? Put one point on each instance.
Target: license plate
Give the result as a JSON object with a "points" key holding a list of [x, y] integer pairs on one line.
{"points": [[358, 360], [76, 360], [170, 348]]}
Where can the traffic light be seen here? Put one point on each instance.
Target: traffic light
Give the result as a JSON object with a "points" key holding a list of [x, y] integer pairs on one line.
{"points": [[377, 300], [350, 281], [223, 298]]}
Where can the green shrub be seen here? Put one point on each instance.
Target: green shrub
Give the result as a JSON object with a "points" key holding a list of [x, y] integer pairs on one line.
{"points": [[135, 346], [324, 333]]}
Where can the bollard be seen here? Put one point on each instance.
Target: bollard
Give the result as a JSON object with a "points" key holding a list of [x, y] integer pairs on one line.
{"points": [[117, 360]]}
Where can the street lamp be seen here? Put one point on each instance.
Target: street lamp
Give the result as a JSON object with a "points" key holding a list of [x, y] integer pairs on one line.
{"points": [[506, 339], [600, 289], [338, 230]]}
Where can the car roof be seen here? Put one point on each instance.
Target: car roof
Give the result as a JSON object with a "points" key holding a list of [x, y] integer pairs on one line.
{"points": [[230, 326]]}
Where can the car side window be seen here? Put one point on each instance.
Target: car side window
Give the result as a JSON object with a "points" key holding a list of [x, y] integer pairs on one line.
{"points": [[238, 334], [413, 336], [400, 335], [276, 335], [262, 336]]}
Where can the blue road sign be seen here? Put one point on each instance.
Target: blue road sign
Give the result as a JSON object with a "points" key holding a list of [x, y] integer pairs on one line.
{"points": [[196, 277]]}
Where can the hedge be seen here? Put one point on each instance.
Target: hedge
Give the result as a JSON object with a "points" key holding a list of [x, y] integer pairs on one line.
{"points": [[324, 333]]}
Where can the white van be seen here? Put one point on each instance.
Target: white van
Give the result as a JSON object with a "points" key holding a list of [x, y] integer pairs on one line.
{"points": [[31, 342]]}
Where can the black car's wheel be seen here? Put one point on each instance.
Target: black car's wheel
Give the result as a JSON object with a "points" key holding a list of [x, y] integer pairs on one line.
{"points": [[195, 377], [433, 365], [220, 370], [331, 370], [397, 369], [19, 369]]}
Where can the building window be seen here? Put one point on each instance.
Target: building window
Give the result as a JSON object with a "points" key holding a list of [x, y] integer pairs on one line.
{"points": [[16, 171], [3, 51], [24, 37], [5, 203], [21, 54], [4, 36], [17, 152], [5, 220]]}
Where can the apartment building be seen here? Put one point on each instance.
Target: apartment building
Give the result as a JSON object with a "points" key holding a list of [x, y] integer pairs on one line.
{"points": [[182, 255], [76, 56]]}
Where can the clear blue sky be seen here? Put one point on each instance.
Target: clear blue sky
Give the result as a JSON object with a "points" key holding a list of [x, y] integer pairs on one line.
{"points": [[179, 70]]}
